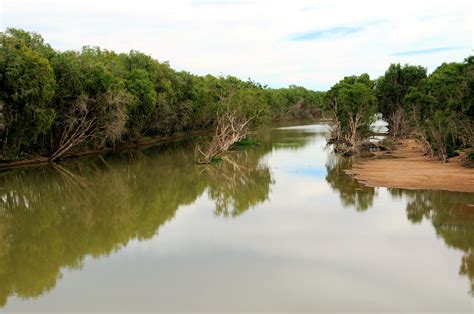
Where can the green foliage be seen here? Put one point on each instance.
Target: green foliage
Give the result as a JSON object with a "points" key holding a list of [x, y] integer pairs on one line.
{"points": [[27, 86], [69, 77], [216, 159], [246, 142], [32, 40], [353, 103], [295, 102], [354, 98], [441, 108], [144, 101], [388, 143], [392, 87], [470, 155], [118, 97], [438, 108]]}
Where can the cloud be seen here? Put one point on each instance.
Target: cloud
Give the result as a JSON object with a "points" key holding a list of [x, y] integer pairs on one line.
{"points": [[425, 51], [334, 31], [323, 40], [198, 3], [328, 32]]}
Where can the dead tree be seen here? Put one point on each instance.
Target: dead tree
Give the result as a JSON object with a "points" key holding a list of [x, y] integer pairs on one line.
{"points": [[350, 141], [420, 132], [77, 128], [398, 123], [231, 128]]}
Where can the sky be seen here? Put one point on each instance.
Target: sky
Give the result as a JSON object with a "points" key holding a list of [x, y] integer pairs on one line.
{"points": [[278, 43]]}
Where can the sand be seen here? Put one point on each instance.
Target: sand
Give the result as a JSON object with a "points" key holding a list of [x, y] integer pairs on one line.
{"points": [[411, 169]]}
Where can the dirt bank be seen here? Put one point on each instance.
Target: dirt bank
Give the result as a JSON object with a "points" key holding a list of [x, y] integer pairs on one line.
{"points": [[410, 169]]}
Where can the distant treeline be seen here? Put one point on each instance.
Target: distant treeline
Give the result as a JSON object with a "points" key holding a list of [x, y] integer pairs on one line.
{"points": [[53, 102], [438, 109]]}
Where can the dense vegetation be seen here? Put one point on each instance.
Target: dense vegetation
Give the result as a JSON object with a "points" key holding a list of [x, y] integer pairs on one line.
{"points": [[53, 103], [438, 108], [354, 106]]}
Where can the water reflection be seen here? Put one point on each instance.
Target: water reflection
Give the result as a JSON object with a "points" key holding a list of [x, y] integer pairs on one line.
{"points": [[52, 217], [351, 192], [452, 216], [450, 213], [237, 184]]}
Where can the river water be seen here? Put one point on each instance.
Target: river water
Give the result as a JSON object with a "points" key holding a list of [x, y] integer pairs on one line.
{"points": [[278, 227]]}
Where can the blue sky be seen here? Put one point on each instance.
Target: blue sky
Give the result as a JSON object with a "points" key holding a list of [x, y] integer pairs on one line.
{"points": [[308, 43]]}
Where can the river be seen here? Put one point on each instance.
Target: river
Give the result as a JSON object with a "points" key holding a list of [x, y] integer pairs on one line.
{"points": [[277, 227]]}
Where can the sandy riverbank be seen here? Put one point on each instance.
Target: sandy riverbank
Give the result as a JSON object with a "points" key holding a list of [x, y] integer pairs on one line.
{"points": [[410, 169]]}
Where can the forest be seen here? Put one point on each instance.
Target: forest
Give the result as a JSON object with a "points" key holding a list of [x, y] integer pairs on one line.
{"points": [[53, 103]]}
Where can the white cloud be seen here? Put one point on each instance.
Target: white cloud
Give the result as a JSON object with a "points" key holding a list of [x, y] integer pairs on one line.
{"points": [[253, 38]]}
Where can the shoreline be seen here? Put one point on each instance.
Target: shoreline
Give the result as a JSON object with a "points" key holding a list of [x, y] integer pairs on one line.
{"points": [[408, 168], [124, 146], [39, 160]]}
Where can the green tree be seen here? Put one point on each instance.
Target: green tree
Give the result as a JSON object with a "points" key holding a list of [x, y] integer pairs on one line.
{"points": [[143, 104], [391, 89], [27, 87], [354, 105], [441, 109]]}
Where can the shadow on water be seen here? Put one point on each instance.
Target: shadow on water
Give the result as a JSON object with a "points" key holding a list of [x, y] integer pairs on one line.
{"points": [[450, 213]]}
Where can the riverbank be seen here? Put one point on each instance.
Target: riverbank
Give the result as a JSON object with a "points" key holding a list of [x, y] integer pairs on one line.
{"points": [[146, 142], [143, 143], [407, 167]]}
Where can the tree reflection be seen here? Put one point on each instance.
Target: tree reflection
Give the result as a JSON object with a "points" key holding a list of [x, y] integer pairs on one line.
{"points": [[351, 192], [237, 184], [52, 217], [452, 215]]}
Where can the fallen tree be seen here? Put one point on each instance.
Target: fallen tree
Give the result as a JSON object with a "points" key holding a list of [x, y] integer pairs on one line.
{"points": [[77, 130], [231, 128]]}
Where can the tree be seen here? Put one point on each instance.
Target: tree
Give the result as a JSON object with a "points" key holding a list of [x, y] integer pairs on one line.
{"points": [[391, 89], [143, 104], [27, 87], [240, 105], [441, 109], [33, 41], [353, 103]]}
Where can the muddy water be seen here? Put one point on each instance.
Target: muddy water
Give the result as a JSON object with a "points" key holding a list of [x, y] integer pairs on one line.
{"points": [[278, 227]]}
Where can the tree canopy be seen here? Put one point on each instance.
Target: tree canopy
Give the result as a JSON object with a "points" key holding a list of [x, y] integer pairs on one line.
{"points": [[57, 102]]}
